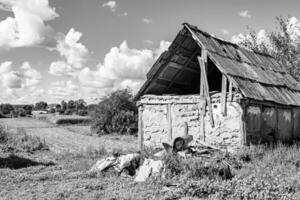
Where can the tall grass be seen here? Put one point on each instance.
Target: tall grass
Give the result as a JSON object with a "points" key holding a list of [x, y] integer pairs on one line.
{"points": [[265, 173], [21, 141]]}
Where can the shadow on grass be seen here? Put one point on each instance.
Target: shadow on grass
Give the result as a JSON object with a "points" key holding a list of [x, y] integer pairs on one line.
{"points": [[16, 162]]}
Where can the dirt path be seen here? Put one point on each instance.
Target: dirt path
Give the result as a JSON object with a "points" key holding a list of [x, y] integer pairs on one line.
{"points": [[62, 139]]}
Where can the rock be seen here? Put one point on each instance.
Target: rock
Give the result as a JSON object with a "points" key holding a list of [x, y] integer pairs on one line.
{"points": [[103, 164], [160, 154], [149, 168], [126, 161], [129, 162]]}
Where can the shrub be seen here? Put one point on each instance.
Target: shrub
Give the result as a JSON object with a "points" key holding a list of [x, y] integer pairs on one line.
{"points": [[6, 108], [21, 141], [82, 112], [3, 135], [116, 113], [68, 112], [72, 121], [52, 110]]}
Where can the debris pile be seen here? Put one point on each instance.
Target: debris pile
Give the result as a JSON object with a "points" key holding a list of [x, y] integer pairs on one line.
{"points": [[142, 168]]}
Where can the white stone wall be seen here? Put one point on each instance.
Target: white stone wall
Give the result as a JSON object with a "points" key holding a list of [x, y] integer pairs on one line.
{"points": [[227, 132]]}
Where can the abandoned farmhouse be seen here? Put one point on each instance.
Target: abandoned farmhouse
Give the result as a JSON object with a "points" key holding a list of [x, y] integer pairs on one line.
{"points": [[218, 92]]}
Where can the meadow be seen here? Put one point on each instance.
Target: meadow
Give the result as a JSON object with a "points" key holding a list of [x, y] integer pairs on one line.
{"points": [[61, 171]]}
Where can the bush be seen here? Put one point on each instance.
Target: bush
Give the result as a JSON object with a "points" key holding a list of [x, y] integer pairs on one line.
{"points": [[21, 141], [68, 112], [82, 112], [52, 110], [116, 113], [3, 135], [73, 121]]}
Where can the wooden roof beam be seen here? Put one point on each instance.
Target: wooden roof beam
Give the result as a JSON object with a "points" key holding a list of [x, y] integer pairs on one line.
{"points": [[184, 67]]}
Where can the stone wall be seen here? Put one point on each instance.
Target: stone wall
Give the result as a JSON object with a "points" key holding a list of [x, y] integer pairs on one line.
{"points": [[227, 132]]}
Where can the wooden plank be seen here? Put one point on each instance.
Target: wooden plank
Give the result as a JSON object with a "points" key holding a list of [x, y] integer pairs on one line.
{"points": [[140, 128], [182, 69], [223, 98], [206, 90], [169, 122], [230, 90], [186, 129]]}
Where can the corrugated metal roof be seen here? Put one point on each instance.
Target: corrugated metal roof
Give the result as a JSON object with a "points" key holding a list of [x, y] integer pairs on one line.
{"points": [[258, 76]]}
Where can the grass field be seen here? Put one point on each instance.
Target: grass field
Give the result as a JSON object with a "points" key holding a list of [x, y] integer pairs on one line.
{"points": [[69, 138], [62, 173]]}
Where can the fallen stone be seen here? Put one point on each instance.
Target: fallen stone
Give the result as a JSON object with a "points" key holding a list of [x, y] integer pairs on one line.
{"points": [[103, 164], [149, 168], [126, 161]]}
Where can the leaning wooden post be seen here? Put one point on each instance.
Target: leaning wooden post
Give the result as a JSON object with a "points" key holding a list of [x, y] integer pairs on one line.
{"points": [[140, 127], [186, 129], [169, 123], [224, 93]]}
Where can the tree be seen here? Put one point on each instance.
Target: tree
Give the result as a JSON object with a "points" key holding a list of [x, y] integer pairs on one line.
{"points": [[80, 104], [41, 105], [283, 44], [71, 105], [116, 113], [63, 105], [28, 109], [6, 108]]}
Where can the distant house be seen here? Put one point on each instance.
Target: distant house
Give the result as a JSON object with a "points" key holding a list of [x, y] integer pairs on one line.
{"points": [[227, 95]]}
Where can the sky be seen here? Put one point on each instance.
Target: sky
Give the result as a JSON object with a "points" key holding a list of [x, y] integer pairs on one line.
{"points": [[55, 50]]}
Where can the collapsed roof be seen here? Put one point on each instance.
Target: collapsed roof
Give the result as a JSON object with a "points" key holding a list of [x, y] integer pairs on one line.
{"points": [[257, 76]]}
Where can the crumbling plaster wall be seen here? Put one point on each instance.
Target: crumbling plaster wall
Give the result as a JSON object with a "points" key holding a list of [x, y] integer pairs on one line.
{"points": [[227, 131]]}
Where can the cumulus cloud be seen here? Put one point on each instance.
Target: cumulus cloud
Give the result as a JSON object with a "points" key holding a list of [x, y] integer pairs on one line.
{"points": [[245, 14], [147, 21], [13, 79], [293, 28], [31, 77], [225, 31], [28, 25], [125, 14], [112, 5], [69, 47], [60, 68], [60, 90], [122, 67]]}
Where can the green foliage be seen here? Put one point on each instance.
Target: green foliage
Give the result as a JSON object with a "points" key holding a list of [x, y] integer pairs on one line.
{"points": [[52, 110], [116, 113], [28, 109], [40, 105], [73, 121], [21, 141], [6, 108], [281, 45], [68, 112], [82, 112]]}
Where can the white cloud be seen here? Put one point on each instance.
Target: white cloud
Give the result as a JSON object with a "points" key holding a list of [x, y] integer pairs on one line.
{"points": [[31, 76], [147, 21], [27, 26], [245, 13], [163, 46], [148, 42], [112, 5], [60, 90], [293, 28], [12, 79], [60, 68], [69, 47], [225, 31], [125, 14], [122, 67]]}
